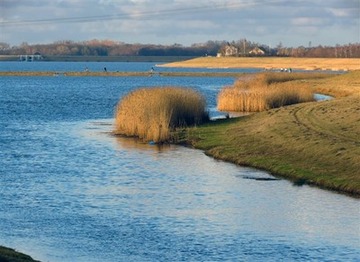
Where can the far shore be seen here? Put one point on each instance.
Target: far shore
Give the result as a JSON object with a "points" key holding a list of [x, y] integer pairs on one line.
{"points": [[119, 73], [80, 58], [271, 63]]}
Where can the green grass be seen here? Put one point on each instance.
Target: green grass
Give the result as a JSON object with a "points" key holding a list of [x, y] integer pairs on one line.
{"points": [[316, 143], [10, 255]]}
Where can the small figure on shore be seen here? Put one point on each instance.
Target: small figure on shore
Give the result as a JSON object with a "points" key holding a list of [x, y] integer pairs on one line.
{"points": [[152, 70], [105, 70]]}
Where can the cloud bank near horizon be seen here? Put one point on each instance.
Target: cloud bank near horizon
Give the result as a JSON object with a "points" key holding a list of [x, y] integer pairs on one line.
{"points": [[294, 23]]}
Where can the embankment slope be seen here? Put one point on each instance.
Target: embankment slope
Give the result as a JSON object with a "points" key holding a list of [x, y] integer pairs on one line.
{"points": [[316, 143]]}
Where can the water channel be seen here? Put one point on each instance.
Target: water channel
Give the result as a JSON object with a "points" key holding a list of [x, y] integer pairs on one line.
{"points": [[69, 191]]}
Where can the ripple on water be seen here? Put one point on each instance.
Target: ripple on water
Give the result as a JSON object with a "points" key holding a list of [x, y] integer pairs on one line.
{"points": [[72, 192]]}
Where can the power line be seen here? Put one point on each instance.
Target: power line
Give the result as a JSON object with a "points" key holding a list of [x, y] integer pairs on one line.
{"points": [[145, 15]]}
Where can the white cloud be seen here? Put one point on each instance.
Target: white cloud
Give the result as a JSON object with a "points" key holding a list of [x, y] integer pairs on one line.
{"points": [[343, 12], [164, 21], [307, 21]]}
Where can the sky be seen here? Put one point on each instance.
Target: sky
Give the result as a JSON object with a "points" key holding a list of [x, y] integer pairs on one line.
{"points": [[186, 22]]}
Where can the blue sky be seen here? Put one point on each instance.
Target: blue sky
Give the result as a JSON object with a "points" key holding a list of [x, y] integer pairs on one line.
{"points": [[293, 23]]}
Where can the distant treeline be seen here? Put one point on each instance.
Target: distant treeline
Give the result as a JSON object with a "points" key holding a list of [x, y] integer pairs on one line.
{"points": [[243, 47], [109, 48]]}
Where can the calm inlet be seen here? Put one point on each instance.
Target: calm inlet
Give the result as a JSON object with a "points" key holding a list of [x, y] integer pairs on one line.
{"points": [[72, 192]]}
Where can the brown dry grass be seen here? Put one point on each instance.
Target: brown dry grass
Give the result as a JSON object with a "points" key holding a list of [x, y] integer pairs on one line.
{"points": [[152, 113], [271, 63], [346, 85], [255, 93]]}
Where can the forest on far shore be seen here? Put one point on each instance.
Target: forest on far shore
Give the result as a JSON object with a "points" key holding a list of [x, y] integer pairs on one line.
{"points": [[244, 47]]}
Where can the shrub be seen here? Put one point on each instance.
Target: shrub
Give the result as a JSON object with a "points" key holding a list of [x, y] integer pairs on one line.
{"points": [[152, 113], [265, 91]]}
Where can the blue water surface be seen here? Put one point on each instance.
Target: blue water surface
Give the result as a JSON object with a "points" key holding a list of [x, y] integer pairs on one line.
{"points": [[69, 191], [110, 67]]}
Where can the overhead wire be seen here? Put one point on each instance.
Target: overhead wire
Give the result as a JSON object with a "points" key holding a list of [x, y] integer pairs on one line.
{"points": [[144, 15]]}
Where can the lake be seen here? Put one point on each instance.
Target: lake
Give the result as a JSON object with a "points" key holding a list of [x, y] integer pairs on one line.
{"points": [[72, 192]]}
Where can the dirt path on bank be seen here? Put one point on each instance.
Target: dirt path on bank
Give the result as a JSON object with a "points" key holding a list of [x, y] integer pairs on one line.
{"points": [[331, 120]]}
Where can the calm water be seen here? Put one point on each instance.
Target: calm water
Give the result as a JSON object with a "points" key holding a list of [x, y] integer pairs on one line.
{"points": [[71, 192], [110, 66]]}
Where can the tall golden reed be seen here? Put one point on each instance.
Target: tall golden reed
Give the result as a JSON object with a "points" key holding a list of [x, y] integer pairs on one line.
{"points": [[152, 113], [254, 93]]}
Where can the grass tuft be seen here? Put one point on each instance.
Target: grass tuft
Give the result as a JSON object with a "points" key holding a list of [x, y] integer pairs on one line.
{"points": [[152, 113]]}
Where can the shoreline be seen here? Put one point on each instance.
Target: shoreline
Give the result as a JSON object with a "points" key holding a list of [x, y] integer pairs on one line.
{"points": [[314, 143]]}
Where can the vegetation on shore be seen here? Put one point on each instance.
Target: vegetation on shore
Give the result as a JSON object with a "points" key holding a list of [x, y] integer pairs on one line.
{"points": [[152, 113], [10, 255], [313, 143], [111, 48], [255, 93]]}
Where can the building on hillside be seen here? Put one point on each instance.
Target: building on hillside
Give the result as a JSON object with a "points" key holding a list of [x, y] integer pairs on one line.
{"points": [[257, 52], [228, 50], [231, 50]]}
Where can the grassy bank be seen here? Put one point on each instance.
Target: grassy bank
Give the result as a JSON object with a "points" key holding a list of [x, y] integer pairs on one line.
{"points": [[10, 255], [315, 143], [271, 63]]}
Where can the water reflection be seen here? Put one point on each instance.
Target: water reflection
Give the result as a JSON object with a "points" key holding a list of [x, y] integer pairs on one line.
{"points": [[130, 143], [184, 186]]}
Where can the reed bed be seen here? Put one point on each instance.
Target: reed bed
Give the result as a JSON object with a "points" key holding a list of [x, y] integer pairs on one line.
{"points": [[152, 113], [260, 92]]}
